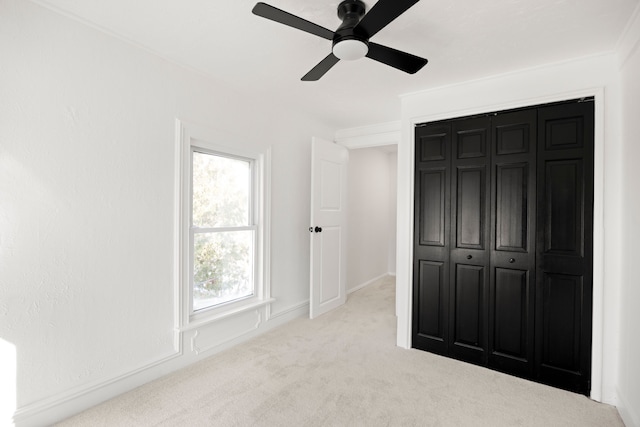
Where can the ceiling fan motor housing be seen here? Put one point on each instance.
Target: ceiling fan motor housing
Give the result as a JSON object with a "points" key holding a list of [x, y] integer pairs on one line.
{"points": [[348, 43]]}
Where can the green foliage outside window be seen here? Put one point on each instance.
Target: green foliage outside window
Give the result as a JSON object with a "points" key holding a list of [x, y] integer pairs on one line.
{"points": [[222, 259]]}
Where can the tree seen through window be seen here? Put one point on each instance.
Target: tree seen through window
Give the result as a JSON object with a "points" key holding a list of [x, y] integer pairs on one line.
{"points": [[223, 232]]}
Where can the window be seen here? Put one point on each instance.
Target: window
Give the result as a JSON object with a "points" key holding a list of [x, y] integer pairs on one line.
{"points": [[223, 230], [223, 226]]}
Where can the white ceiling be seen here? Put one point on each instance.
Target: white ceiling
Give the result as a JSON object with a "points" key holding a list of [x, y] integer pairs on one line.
{"points": [[463, 40]]}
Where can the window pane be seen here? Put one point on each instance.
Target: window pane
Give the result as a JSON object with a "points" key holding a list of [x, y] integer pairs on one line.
{"points": [[222, 267], [221, 191]]}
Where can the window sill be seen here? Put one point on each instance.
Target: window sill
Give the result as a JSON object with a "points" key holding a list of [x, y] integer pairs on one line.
{"points": [[226, 314]]}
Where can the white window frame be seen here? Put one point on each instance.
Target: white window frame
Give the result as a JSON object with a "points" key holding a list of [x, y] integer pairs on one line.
{"points": [[190, 138]]}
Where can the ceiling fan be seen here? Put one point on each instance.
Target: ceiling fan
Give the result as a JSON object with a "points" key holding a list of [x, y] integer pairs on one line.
{"points": [[351, 39]]}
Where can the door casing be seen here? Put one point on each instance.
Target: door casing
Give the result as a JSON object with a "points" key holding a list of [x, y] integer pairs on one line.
{"points": [[406, 189]]}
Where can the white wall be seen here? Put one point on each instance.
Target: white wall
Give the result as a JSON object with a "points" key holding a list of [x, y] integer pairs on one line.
{"points": [[87, 165], [628, 386], [393, 206], [582, 77], [369, 216]]}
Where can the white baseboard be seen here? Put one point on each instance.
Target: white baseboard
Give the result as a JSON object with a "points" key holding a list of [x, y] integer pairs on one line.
{"points": [[303, 306], [64, 405], [75, 400], [629, 414], [367, 283]]}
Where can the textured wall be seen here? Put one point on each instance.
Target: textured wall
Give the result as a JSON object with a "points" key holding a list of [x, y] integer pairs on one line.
{"points": [[369, 219], [629, 370], [393, 206], [87, 156]]}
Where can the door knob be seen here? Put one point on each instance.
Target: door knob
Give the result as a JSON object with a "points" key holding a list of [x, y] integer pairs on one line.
{"points": [[469, 257], [318, 230], [512, 260]]}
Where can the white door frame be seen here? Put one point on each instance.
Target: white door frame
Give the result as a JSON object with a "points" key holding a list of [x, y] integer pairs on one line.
{"points": [[404, 258]]}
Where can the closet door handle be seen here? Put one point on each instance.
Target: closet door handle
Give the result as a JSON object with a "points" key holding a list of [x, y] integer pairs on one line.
{"points": [[318, 230], [512, 260], [469, 256]]}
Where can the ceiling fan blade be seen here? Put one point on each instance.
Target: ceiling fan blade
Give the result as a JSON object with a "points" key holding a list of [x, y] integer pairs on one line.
{"points": [[381, 15], [320, 69], [397, 59], [275, 14]]}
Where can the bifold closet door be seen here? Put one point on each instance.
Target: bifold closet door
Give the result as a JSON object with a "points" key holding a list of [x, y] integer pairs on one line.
{"points": [[513, 222], [564, 288], [469, 254], [503, 245], [432, 238]]}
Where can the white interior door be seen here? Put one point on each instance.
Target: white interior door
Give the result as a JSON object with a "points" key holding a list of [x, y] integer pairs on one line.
{"points": [[328, 226]]}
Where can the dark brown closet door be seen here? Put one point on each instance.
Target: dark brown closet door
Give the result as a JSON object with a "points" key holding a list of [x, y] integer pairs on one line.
{"points": [[469, 254], [564, 288], [431, 238], [511, 302]]}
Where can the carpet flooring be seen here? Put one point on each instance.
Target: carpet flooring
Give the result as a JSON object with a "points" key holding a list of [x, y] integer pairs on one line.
{"points": [[343, 369]]}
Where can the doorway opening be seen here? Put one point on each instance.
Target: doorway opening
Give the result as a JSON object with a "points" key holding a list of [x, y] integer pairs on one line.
{"points": [[372, 194]]}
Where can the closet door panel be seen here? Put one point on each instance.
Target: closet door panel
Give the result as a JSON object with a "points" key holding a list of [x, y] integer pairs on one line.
{"points": [[431, 210], [432, 238], [469, 259], [562, 310], [511, 321], [564, 289], [563, 216], [512, 335], [471, 138], [471, 206], [511, 302], [431, 295], [467, 321], [512, 199], [432, 143], [514, 137]]}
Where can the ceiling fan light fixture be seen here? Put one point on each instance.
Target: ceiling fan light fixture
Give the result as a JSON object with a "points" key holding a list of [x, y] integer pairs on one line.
{"points": [[350, 49]]}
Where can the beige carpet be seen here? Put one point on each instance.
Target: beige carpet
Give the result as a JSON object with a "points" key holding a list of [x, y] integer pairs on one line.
{"points": [[343, 369]]}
